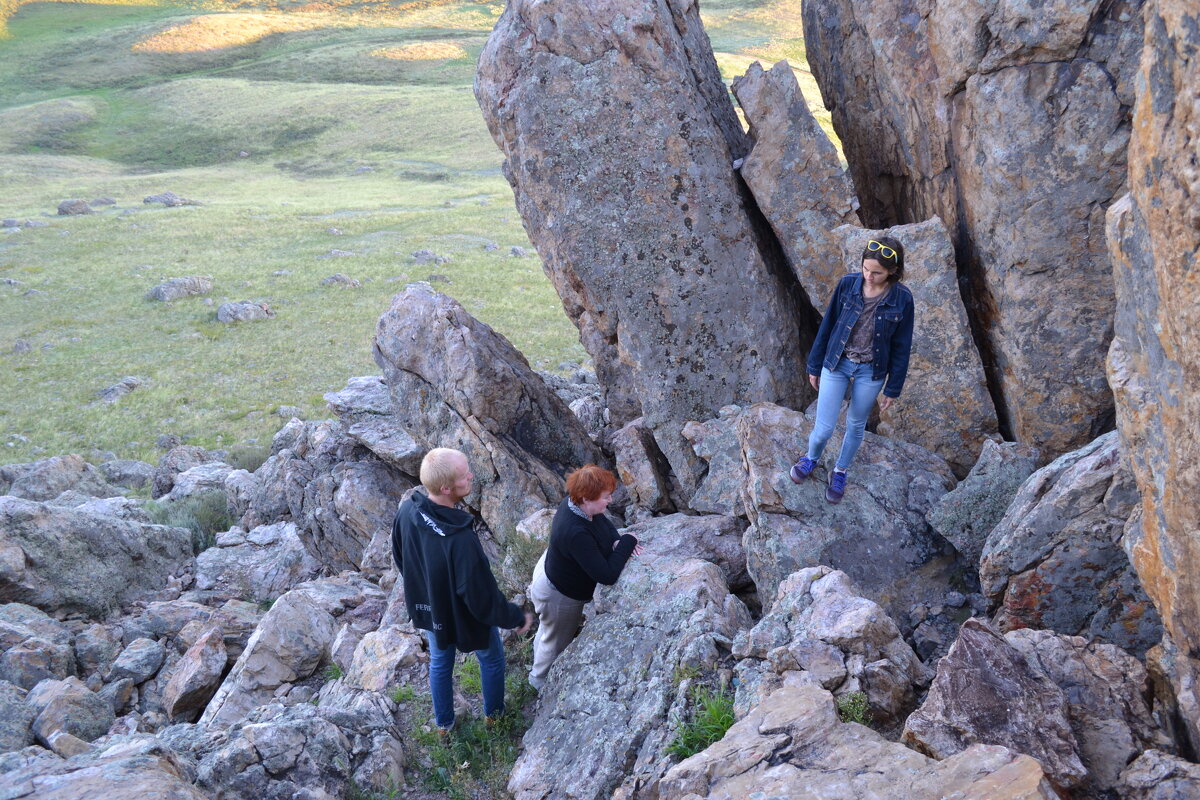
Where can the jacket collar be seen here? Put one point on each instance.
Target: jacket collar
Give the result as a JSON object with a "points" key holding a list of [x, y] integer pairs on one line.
{"points": [[891, 299]]}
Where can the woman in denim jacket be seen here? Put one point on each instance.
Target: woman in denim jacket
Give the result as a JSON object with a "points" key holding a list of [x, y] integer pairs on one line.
{"points": [[863, 343]]}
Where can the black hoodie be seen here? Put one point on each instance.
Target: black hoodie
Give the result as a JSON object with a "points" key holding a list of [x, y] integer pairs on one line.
{"points": [[449, 588]]}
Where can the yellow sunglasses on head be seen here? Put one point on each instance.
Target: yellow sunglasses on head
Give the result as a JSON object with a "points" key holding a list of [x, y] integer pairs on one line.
{"points": [[882, 249]]}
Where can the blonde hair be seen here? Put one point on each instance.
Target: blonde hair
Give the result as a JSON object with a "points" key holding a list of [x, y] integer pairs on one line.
{"points": [[439, 468]]}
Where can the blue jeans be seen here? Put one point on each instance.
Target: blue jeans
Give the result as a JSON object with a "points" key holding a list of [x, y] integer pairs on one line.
{"points": [[441, 678], [831, 392]]}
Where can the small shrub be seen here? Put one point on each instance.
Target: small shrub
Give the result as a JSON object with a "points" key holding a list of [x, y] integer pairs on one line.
{"points": [[712, 715], [402, 694], [248, 457], [853, 707], [205, 514], [333, 672], [521, 555]]}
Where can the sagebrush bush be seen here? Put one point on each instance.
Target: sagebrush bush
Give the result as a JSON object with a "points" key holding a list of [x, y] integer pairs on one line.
{"points": [[205, 514]]}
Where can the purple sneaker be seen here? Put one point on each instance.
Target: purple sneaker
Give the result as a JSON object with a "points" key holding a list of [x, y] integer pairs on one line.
{"points": [[802, 469], [837, 487]]}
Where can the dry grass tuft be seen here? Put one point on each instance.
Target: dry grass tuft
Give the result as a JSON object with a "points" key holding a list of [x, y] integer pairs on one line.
{"points": [[423, 51]]}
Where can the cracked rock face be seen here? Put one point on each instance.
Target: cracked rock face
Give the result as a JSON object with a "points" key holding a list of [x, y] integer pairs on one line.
{"points": [[986, 693], [1010, 123], [792, 745], [619, 140], [613, 691], [1055, 560], [455, 382], [1154, 362]]}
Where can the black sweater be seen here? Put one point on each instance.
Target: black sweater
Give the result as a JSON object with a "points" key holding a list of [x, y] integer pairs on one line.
{"points": [[581, 553], [449, 588]]}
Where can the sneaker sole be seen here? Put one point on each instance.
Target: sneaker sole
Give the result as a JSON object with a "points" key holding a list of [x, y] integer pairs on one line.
{"points": [[832, 500]]}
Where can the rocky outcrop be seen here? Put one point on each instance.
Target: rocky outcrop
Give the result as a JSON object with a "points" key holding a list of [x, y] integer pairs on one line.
{"points": [[1055, 559], [290, 643], [793, 171], [68, 706], [877, 535], [173, 462], [642, 468], [455, 382], [945, 406], [46, 480], [710, 537], [196, 677], [34, 646], [619, 141], [820, 632], [257, 565], [794, 739], [1106, 690], [139, 766], [986, 693], [1154, 362], [1009, 123], [61, 559], [1160, 776], [611, 693], [969, 512], [366, 406]]}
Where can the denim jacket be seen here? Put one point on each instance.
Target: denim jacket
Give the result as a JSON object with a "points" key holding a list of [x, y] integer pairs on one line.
{"points": [[893, 332]]}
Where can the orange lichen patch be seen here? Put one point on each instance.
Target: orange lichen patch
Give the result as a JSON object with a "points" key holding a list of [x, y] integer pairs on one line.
{"points": [[422, 51], [218, 31]]}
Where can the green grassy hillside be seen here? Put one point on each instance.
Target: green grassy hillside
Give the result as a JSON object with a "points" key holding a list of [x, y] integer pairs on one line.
{"points": [[303, 129]]}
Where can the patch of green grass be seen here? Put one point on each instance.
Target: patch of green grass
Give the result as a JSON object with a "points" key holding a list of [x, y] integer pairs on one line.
{"points": [[333, 673], [710, 715], [402, 694], [205, 514], [468, 676], [853, 707]]}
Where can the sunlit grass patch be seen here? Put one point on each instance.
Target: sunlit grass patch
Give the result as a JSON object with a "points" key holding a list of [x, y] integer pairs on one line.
{"points": [[219, 31], [422, 51]]}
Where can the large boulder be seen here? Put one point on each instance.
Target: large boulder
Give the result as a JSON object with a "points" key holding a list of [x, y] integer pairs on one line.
{"points": [[1010, 123], [63, 559], [138, 766], [619, 140], [290, 643], [710, 537], [820, 631], [1154, 362], [16, 718], [986, 692], [1156, 775], [46, 480], [612, 691], [945, 406], [68, 706], [257, 565], [174, 461], [197, 676], [1106, 690], [795, 176], [33, 646], [366, 406], [877, 535], [792, 745], [1055, 559], [966, 515], [455, 382]]}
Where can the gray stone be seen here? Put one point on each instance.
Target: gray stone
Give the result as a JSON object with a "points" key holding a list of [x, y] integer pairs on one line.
{"points": [[197, 676], [178, 288], [69, 560], [243, 311], [46, 480], [139, 661], [1156, 775], [1056, 559], [712, 538], [68, 208], [985, 692], [456, 382], [129, 473], [178, 458], [137, 767], [16, 718], [262, 565], [112, 394], [198, 480], [338, 279], [642, 467], [679, 298], [793, 172], [169, 199], [612, 691], [69, 706], [967, 514]]}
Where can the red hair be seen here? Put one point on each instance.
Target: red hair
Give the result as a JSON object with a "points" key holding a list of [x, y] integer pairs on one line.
{"points": [[589, 482]]}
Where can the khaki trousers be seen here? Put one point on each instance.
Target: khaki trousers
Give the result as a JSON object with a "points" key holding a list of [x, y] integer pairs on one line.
{"points": [[558, 622]]}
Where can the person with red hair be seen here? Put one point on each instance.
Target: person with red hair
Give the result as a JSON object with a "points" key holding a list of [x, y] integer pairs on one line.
{"points": [[585, 549]]}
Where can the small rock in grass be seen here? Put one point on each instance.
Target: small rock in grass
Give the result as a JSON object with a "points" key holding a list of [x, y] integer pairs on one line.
{"points": [[21, 346], [288, 412], [36, 223], [104, 201], [426, 256], [339, 254], [176, 288], [338, 279], [119, 389], [170, 199], [243, 311], [437, 279], [516, 251], [70, 208], [11, 223]]}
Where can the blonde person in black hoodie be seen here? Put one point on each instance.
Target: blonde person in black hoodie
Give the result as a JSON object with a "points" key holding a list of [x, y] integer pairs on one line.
{"points": [[449, 588], [584, 550]]}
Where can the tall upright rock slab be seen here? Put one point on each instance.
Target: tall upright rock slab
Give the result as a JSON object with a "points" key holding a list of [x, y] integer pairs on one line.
{"points": [[1154, 361], [794, 173], [619, 141], [1010, 122]]}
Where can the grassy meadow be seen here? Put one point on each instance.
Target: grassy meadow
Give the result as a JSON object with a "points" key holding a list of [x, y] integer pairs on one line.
{"points": [[319, 138]]}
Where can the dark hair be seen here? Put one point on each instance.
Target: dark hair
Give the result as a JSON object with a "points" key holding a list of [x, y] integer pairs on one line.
{"points": [[894, 266], [589, 482]]}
